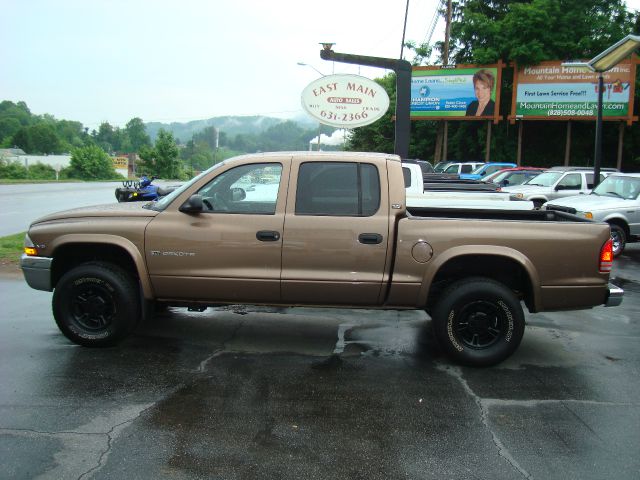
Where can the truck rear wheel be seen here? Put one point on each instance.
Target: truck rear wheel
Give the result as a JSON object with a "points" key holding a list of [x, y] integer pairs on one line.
{"points": [[478, 322], [96, 304]]}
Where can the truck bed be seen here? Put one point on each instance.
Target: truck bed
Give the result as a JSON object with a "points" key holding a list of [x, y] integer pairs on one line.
{"points": [[495, 214]]}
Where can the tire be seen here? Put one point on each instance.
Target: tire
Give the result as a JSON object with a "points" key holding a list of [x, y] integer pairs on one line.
{"points": [[619, 238], [96, 304], [478, 322]]}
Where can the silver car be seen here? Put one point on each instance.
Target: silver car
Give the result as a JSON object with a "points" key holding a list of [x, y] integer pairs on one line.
{"points": [[557, 182], [615, 201]]}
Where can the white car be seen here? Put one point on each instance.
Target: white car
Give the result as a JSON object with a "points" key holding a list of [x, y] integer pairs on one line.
{"points": [[615, 201]]}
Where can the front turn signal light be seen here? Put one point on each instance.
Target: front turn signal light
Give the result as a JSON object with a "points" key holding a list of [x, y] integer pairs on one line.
{"points": [[31, 251], [588, 215]]}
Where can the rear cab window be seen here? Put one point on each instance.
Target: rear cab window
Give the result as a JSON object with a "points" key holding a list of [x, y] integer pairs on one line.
{"points": [[338, 189]]}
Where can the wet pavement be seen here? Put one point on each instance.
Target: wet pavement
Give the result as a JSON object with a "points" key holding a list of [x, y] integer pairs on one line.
{"points": [[267, 393]]}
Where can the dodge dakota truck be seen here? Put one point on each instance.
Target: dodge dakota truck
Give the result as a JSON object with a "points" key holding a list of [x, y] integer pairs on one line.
{"points": [[321, 229]]}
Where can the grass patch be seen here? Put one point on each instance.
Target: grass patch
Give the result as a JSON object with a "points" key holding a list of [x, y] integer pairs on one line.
{"points": [[11, 248]]}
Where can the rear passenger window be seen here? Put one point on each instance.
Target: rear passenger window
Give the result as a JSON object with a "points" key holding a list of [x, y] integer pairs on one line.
{"points": [[338, 188], [406, 173]]}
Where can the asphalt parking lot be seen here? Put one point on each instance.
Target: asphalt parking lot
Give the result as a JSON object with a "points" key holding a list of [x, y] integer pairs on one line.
{"points": [[265, 393]]}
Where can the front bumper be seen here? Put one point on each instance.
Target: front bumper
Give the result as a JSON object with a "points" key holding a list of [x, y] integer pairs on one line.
{"points": [[614, 298], [37, 272]]}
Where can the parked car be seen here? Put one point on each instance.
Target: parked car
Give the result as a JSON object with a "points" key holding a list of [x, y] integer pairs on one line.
{"points": [[614, 201], [425, 166], [513, 176], [457, 167], [557, 182], [447, 193], [486, 169]]}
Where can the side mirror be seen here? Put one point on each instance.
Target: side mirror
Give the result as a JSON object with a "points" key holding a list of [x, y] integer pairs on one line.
{"points": [[505, 182], [238, 194], [193, 205]]}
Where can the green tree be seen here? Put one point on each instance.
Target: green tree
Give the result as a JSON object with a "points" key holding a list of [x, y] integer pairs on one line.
{"points": [[90, 163], [530, 31], [162, 160], [136, 134]]}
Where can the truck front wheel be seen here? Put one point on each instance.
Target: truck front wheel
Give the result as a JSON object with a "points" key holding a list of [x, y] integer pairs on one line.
{"points": [[478, 322], [96, 304]]}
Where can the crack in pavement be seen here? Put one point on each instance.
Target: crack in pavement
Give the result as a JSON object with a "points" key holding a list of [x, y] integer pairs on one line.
{"points": [[456, 373], [202, 367], [91, 442]]}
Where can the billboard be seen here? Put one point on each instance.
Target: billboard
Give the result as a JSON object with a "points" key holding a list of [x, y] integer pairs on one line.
{"points": [[345, 101], [549, 91], [463, 92]]}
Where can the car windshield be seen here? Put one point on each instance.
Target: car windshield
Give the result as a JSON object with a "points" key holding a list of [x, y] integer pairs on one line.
{"points": [[164, 202], [619, 186], [546, 179], [439, 168], [500, 177], [478, 170]]}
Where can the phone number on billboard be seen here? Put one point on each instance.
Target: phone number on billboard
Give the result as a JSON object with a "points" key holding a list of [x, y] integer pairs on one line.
{"points": [[344, 117], [570, 113]]}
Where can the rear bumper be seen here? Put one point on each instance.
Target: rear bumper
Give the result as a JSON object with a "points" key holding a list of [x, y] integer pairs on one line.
{"points": [[614, 298], [37, 272]]}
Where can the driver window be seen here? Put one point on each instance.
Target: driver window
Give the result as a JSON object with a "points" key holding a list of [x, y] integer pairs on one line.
{"points": [[572, 181], [247, 189]]}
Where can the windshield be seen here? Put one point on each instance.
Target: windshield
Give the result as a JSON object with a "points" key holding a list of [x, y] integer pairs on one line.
{"points": [[619, 187], [500, 177], [439, 168], [478, 170], [166, 200], [546, 179]]}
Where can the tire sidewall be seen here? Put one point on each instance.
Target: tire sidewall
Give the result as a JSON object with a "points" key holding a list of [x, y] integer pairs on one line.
{"points": [[115, 284], [465, 293]]}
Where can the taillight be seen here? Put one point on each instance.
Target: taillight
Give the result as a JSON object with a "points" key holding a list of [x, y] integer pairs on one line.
{"points": [[606, 257]]}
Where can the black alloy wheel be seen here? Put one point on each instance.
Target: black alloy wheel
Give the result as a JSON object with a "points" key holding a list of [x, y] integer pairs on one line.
{"points": [[478, 321]]}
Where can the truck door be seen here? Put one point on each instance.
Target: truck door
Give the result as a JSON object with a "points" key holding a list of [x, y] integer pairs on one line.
{"points": [[336, 233], [232, 249]]}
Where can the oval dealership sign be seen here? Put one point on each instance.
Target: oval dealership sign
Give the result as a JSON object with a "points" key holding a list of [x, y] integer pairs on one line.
{"points": [[345, 101]]}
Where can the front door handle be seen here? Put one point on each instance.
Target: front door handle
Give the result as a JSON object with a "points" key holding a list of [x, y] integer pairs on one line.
{"points": [[268, 236], [370, 238]]}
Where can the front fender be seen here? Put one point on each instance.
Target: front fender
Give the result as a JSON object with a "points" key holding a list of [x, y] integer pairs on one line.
{"points": [[114, 240]]}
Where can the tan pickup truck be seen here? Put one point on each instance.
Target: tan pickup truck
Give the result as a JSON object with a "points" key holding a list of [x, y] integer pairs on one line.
{"points": [[323, 229]]}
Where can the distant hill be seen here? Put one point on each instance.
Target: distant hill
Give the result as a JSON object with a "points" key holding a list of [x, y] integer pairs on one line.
{"points": [[231, 125]]}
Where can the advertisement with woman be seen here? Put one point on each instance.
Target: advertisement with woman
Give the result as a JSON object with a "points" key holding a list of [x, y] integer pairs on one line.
{"points": [[470, 92]]}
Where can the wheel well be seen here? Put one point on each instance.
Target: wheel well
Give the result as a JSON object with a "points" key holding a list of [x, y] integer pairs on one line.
{"points": [[621, 223], [71, 255], [501, 269]]}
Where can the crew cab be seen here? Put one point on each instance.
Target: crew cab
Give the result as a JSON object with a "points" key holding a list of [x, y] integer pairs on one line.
{"points": [[615, 201], [322, 229]]}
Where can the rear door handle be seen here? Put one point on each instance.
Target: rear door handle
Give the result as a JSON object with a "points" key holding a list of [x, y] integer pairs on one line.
{"points": [[268, 236], [370, 238]]}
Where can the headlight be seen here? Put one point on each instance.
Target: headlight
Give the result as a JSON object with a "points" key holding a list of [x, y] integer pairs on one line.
{"points": [[519, 195]]}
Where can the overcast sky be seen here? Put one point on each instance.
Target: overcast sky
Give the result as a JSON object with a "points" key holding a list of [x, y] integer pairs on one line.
{"points": [[111, 60]]}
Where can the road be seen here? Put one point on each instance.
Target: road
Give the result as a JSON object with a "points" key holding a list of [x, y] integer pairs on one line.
{"points": [[266, 393], [23, 203]]}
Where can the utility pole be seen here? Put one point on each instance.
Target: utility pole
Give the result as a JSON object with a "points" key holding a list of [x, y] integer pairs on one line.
{"points": [[443, 129]]}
